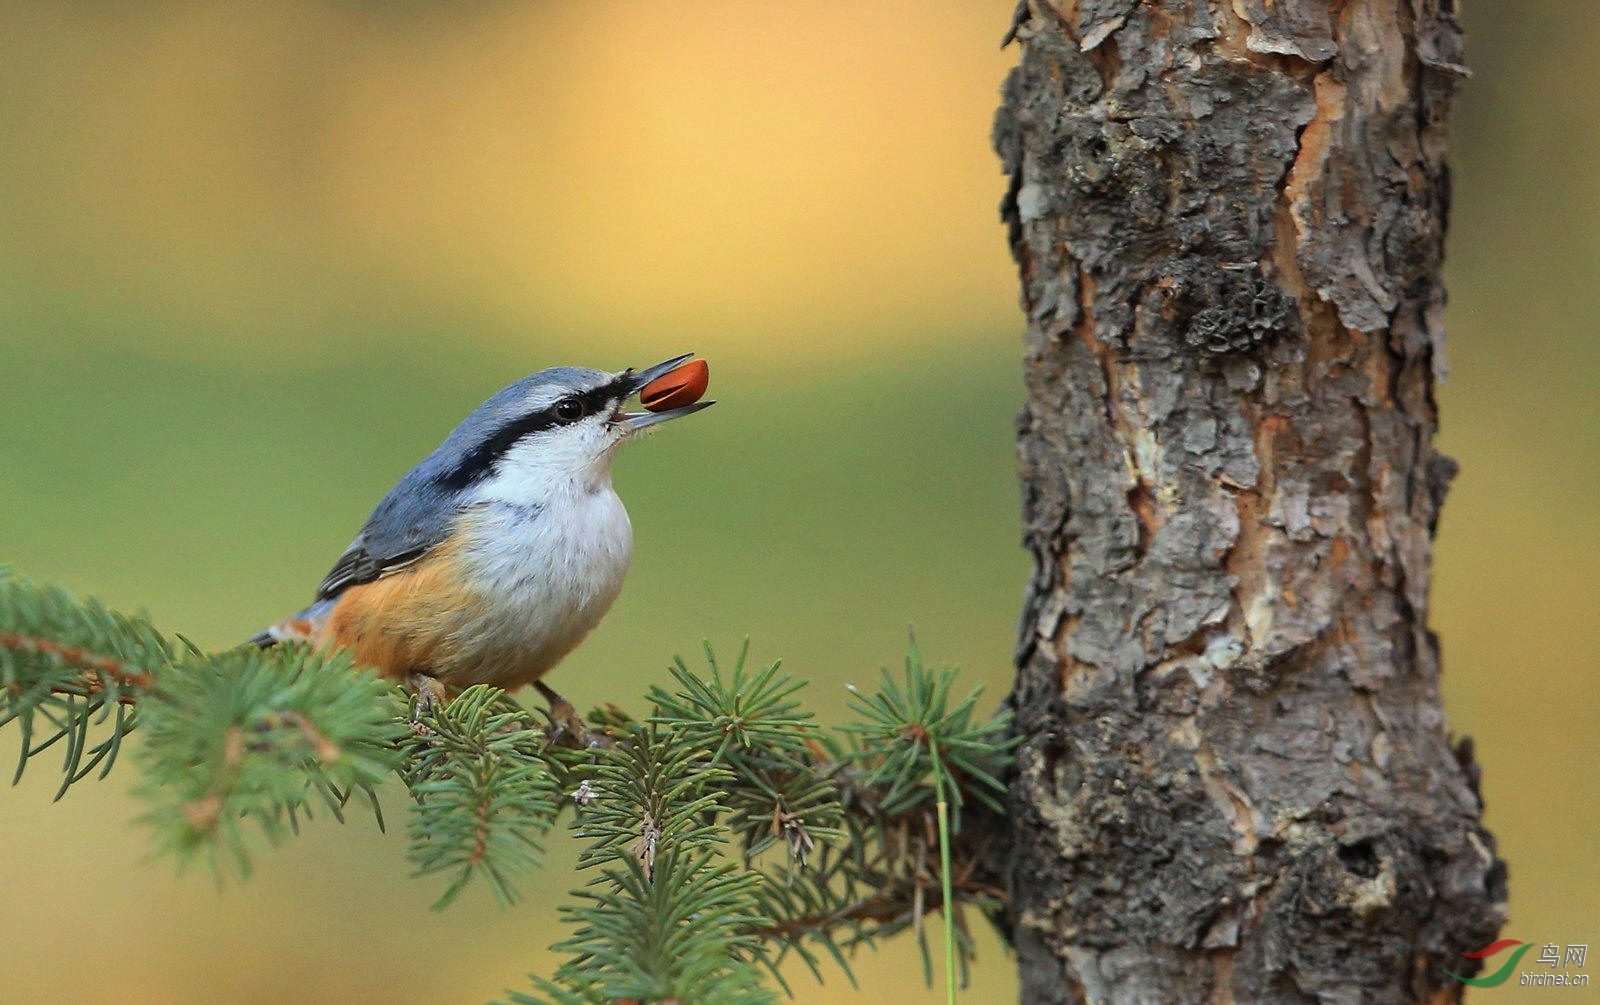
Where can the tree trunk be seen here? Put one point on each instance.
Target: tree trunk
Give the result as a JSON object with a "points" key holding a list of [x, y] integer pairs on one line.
{"points": [[1237, 783]]}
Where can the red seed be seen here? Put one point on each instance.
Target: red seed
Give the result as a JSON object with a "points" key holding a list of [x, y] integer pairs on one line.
{"points": [[683, 386]]}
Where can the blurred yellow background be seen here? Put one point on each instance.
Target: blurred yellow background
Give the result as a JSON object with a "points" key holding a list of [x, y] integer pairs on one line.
{"points": [[255, 259]]}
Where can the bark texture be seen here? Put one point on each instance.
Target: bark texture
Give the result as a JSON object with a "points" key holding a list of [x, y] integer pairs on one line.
{"points": [[1238, 783]]}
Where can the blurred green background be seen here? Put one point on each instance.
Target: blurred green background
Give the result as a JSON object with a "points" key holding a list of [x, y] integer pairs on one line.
{"points": [[255, 259]]}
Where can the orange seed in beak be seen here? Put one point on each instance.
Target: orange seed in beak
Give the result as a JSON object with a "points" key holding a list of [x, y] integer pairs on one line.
{"points": [[683, 386]]}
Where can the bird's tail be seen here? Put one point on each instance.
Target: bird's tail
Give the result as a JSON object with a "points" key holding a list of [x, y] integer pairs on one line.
{"points": [[305, 626]]}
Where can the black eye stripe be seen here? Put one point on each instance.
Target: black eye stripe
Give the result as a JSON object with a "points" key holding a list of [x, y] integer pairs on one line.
{"points": [[598, 399], [481, 460]]}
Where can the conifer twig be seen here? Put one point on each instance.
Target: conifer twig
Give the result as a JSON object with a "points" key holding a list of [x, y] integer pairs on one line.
{"points": [[96, 668]]}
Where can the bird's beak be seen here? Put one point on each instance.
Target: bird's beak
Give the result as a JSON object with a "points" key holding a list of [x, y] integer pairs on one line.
{"points": [[641, 420], [661, 369]]}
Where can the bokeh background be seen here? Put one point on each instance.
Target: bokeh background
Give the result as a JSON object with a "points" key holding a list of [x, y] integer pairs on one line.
{"points": [[255, 259]]}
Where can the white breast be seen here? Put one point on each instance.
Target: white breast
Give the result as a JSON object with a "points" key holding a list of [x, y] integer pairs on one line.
{"points": [[546, 575]]}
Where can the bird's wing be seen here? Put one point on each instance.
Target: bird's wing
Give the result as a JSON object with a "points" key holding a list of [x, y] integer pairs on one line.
{"points": [[412, 520], [358, 565]]}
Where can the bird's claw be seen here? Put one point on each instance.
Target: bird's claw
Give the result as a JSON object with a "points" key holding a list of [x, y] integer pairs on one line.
{"points": [[430, 694], [567, 728]]}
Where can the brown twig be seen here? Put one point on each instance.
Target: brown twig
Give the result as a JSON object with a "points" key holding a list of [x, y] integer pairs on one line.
{"points": [[326, 750], [95, 669], [879, 907], [875, 908]]}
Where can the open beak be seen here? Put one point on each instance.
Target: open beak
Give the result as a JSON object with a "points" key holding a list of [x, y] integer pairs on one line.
{"points": [[641, 420]]}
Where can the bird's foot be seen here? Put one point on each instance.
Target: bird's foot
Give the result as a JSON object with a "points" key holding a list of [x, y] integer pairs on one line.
{"points": [[430, 694], [567, 728]]}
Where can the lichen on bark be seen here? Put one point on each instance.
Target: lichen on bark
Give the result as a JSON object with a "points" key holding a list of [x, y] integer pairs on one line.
{"points": [[1237, 782]]}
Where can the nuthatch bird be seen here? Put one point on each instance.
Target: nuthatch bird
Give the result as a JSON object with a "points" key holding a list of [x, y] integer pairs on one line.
{"points": [[494, 557]]}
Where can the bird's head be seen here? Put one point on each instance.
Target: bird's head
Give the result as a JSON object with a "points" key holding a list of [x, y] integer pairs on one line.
{"points": [[556, 426]]}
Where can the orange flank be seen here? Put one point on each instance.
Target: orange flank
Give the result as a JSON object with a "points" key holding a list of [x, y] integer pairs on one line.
{"points": [[683, 386], [400, 624]]}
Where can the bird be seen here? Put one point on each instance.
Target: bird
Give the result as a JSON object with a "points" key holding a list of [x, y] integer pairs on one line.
{"points": [[496, 555]]}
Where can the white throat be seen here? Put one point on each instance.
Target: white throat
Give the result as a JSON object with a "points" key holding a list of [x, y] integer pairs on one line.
{"points": [[547, 569]]}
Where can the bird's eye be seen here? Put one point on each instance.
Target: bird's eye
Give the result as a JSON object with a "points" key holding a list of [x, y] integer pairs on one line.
{"points": [[569, 410]]}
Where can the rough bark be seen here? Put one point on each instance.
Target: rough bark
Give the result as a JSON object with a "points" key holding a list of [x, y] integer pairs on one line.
{"points": [[1237, 783]]}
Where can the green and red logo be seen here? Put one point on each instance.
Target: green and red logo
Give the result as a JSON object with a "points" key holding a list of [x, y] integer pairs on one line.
{"points": [[1499, 976]]}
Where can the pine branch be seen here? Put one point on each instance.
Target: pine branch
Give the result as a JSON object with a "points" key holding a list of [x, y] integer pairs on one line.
{"points": [[251, 737], [736, 756], [69, 673], [663, 920], [725, 831], [94, 670], [247, 742], [485, 792], [889, 768], [911, 742], [751, 725]]}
